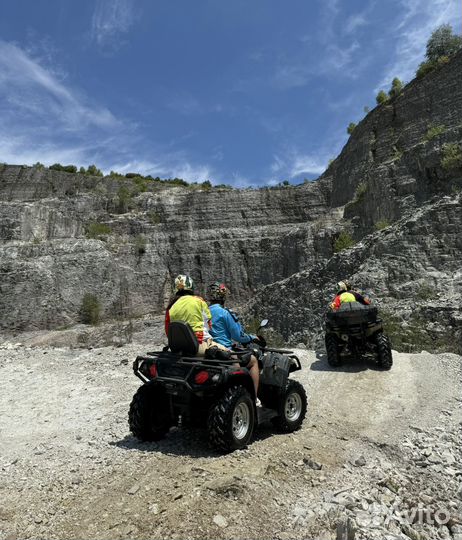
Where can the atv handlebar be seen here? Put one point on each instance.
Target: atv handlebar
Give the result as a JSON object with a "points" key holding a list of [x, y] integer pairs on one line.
{"points": [[280, 351]]}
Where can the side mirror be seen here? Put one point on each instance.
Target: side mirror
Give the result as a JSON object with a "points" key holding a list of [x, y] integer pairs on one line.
{"points": [[264, 323]]}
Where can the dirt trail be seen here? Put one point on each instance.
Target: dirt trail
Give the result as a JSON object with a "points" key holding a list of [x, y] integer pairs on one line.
{"points": [[70, 469]]}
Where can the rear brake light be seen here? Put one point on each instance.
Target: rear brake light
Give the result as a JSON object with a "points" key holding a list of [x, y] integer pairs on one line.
{"points": [[201, 377], [153, 371]]}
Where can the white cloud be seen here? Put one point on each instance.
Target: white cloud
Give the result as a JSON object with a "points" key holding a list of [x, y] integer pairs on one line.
{"points": [[338, 58], [339, 55], [307, 164], [190, 106], [191, 173], [240, 181], [340, 105], [110, 20], [33, 90], [134, 165], [170, 167], [257, 55], [329, 11], [292, 76], [335, 61], [45, 120], [418, 19], [23, 150], [294, 164], [354, 22]]}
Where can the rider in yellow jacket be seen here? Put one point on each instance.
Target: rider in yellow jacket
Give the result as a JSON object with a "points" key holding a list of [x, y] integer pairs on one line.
{"points": [[192, 309], [345, 294]]}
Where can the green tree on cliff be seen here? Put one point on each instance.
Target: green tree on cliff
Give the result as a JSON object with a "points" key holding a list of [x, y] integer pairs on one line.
{"points": [[381, 97], [94, 171], [442, 42], [65, 168], [396, 88], [440, 47], [351, 128]]}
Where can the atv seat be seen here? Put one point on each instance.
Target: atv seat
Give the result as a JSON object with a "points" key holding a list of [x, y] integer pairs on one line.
{"points": [[182, 339]]}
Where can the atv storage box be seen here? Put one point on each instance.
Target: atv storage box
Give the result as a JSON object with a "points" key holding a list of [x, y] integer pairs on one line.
{"points": [[352, 313], [275, 370]]}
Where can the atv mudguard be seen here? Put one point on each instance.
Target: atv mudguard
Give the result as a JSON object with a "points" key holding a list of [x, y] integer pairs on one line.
{"points": [[275, 370]]}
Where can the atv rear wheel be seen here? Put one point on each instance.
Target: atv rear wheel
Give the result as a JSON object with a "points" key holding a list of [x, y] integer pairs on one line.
{"points": [[385, 358], [333, 357], [232, 420], [149, 417], [292, 407]]}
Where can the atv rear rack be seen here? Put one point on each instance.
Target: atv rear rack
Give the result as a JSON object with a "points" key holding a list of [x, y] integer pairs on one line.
{"points": [[191, 361]]}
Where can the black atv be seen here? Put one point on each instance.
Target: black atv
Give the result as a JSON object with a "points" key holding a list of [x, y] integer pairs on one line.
{"points": [[356, 330], [180, 388]]}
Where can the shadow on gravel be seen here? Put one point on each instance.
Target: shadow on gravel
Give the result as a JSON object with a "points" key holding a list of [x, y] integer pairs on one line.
{"points": [[186, 442], [349, 365], [178, 442]]}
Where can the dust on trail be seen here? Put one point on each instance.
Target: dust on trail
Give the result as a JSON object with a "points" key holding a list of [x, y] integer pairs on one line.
{"points": [[70, 469]]}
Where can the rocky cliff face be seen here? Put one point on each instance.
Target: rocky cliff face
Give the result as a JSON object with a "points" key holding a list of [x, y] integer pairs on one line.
{"points": [[394, 173], [393, 161], [412, 270], [63, 235]]}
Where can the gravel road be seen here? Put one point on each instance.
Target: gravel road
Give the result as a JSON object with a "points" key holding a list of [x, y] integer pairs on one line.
{"points": [[378, 456]]}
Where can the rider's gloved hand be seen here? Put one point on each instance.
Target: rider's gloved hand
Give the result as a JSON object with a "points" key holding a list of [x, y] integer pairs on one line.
{"points": [[259, 340]]}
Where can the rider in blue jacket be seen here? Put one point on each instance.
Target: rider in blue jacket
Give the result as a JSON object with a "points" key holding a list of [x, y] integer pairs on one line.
{"points": [[226, 328]]}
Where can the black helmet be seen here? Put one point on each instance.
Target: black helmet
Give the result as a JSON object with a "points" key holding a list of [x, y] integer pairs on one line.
{"points": [[218, 291]]}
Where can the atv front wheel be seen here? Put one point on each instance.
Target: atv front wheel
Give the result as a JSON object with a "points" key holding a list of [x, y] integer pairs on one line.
{"points": [[232, 420], [333, 357], [385, 358], [149, 417], [292, 407]]}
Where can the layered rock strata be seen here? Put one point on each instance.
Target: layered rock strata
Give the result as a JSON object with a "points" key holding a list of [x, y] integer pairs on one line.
{"points": [[412, 270], [66, 235]]}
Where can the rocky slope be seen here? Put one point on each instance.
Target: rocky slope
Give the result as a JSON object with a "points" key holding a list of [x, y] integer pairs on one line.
{"points": [[393, 162], [412, 269], [63, 235]]}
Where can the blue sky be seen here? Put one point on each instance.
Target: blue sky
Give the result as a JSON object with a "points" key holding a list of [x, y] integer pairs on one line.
{"points": [[237, 92]]}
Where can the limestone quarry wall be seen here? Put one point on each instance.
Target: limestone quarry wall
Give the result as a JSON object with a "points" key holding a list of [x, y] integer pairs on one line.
{"points": [[63, 235]]}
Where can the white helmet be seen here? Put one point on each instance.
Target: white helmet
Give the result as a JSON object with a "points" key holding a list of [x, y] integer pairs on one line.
{"points": [[344, 285], [184, 283]]}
